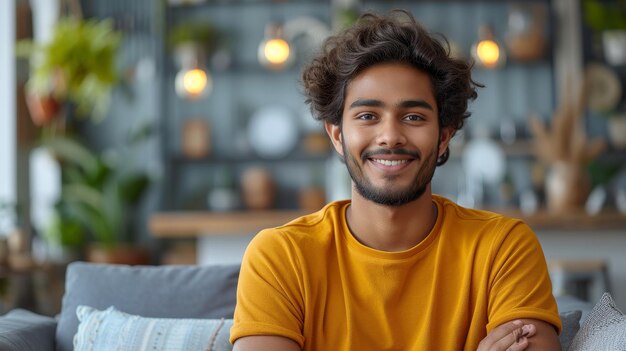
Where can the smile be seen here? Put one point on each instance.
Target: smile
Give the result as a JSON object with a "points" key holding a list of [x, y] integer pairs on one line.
{"points": [[390, 162]]}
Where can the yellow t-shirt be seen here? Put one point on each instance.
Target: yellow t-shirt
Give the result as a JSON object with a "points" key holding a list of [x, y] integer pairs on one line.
{"points": [[313, 282]]}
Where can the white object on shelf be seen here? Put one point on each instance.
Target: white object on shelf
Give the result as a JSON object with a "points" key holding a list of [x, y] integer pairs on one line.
{"points": [[614, 45], [595, 201], [272, 131], [617, 131], [484, 159], [45, 186]]}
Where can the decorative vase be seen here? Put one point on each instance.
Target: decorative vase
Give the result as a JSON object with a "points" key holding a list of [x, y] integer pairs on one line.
{"points": [[525, 38], [119, 254], [258, 188], [43, 108], [567, 187]]}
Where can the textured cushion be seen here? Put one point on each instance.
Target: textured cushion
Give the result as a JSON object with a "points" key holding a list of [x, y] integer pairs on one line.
{"points": [[568, 303], [115, 330], [26, 331], [149, 291], [604, 328], [571, 325]]}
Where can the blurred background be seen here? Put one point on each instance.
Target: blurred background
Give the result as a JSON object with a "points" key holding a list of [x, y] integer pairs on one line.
{"points": [[171, 131]]}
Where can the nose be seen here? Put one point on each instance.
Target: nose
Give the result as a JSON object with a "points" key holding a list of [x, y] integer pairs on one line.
{"points": [[391, 134]]}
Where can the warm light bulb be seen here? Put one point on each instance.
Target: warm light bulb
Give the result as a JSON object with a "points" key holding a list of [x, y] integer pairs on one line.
{"points": [[193, 83], [276, 51], [488, 53]]}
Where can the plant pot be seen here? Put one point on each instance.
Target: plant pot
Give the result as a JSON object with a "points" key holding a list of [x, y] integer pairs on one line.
{"points": [[43, 108], [567, 187], [526, 47], [119, 254], [258, 189]]}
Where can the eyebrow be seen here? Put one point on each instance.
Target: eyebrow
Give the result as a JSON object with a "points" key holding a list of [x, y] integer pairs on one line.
{"points": [[402, 104]]}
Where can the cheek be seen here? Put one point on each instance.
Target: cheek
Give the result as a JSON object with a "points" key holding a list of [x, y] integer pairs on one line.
{"points": [[352, 141]]}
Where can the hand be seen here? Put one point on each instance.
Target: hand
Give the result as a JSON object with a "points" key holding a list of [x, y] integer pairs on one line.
{"points": [[511, 336]]}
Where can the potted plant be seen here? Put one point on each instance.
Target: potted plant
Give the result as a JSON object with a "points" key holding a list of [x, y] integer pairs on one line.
{"points": [[608, 20], [76, 66], [100, 196], [565, 148]]}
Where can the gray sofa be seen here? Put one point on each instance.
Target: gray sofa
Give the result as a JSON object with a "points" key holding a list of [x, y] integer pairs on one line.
{"points": [[152, 291]]}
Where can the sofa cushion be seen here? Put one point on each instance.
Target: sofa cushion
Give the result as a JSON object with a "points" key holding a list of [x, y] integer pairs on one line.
{"points": [[150, 291], [26, 331], [571, 324], [112, 329], [604, 328], [569, 303]]}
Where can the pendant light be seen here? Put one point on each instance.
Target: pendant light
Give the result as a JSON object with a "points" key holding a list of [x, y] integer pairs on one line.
{"points": [[487, 52], [274, 51], [192, 80]]}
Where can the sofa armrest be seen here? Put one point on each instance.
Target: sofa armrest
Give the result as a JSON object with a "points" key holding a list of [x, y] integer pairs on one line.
{"points": [[25, 331]]}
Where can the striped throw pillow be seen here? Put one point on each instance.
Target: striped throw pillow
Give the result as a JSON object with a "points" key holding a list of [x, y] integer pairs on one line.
{"points": [[112, 329]]}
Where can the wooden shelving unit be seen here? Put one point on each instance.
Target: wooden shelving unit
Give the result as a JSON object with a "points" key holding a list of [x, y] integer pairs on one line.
{"points": [[193, 224], [197, 224]]}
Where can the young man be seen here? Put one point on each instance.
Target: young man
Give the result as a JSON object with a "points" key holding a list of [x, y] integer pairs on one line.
{"points": [[395, 268]]}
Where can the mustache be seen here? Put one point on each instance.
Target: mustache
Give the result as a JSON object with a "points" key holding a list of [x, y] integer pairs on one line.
{"points": [[371, 153]]}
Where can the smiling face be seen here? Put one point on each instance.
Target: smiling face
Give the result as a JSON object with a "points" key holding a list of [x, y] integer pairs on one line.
{"points": [[389, 135]]}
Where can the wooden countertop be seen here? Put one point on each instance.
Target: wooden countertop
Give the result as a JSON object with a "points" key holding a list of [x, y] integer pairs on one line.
{"points": [[194, 224]]}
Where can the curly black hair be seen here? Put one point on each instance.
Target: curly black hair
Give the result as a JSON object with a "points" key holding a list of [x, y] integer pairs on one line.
{"points": [[395, 37]]}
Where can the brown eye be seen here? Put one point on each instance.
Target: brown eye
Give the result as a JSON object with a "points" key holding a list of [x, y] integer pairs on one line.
{"points": [[366, 117], [413, 118]]}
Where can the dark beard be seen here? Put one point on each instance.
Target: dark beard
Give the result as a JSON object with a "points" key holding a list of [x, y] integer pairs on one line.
{"points": [[388, 197]]}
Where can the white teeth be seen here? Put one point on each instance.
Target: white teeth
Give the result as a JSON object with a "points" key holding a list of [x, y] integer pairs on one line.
{"points": [[390, 162]]}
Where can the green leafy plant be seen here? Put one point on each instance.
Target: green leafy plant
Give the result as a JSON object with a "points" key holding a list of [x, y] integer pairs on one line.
{"points": [[99, 195], [76, 65], [605, 15], [198, 33]]}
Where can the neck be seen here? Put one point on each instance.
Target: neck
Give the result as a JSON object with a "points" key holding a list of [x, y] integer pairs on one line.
{"points": [[391, 228]]}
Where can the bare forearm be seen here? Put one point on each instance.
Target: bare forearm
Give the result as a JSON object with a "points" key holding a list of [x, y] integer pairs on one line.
{"points": [[265, 343], [545, 338]]}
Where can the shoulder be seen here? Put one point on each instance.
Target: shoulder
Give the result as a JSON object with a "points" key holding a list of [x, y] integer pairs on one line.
{"points": [[454, 211], [474, 222], [318, 227], [330, 214]]}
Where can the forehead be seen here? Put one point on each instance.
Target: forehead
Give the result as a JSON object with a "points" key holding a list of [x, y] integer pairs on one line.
{"points": [[391, 82]]}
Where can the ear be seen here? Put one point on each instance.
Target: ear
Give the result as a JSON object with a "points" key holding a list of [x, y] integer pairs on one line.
{"points": [[444, 139], [334, 133]]}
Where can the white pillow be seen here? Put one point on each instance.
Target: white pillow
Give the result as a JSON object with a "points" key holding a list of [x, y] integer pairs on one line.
{"points": [[112, 329], [604, 328]]}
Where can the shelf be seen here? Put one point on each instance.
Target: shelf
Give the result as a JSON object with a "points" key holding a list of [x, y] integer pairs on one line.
{"points": [[222, 159], [193, 224], [572, 221], [190, 6], [196, 224]]}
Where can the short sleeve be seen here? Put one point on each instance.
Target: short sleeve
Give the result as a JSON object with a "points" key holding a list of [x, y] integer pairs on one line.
{"points": [[520, 285], [269, 292]]}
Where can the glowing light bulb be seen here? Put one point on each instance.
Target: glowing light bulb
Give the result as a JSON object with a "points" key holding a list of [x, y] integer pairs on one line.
{"points": [[193, 83], [276, 51], [488, 53]]}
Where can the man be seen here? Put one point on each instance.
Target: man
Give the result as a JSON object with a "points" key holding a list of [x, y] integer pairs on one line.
{"points": [[395, 268]]}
